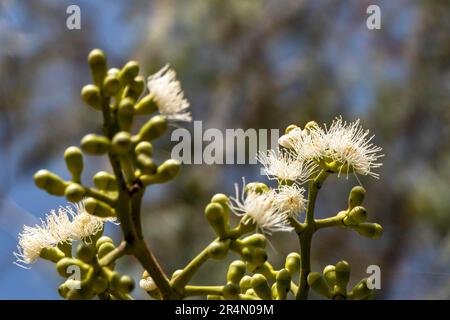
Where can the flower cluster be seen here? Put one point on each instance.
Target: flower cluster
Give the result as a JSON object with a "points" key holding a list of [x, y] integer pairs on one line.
{"points": [[65, 225], [343, 147]]}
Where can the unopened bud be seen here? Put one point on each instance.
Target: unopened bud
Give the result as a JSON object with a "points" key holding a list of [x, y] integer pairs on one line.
{"points": [[154, 128], [342, 270], [236, 271], [50, 182], [85, 252], [111, 85], [91, 96], [74, 162], [292, 264], [329, 273], [74, 192], [255, 240], [144, 147], [261, 287], [105, 181], [369, 230], [356, 216], [283, 283], [360, 291], [145, 164], [231, 291], [165, 172], [52, 254], [97, 64], [318, 284], [146, 105], [218, 250], [135, 88], [95, 144], [98, 208], [356, 197], [121, 142], [129, 72]]}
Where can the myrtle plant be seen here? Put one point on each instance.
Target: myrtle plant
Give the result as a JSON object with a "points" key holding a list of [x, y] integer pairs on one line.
{"points": [[72, 237]]}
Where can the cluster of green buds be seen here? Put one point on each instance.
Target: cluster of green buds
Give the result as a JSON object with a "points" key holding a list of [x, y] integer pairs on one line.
{"points": [[88, 275], [263, 283], [333, 282]]}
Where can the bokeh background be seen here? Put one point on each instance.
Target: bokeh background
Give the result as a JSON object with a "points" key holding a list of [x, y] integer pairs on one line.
{"points": [[243, 64]]}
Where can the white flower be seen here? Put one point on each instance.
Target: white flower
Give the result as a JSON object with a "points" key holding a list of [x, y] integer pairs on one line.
{"points": [[260, 208], [284, 165], [351, 147], [290, 199], [168, 95], [65, 225]]}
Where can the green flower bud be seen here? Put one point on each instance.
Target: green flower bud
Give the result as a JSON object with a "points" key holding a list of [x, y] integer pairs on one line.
{"points": [[85, 252], [283, 283], [231, 291], [114, 279], [95, 144], [74, 162], [215, 215], [129, 72], [369, 230], [144, 147], [135, 88], [154, 128], [258, 187], [329, 273], [255, 240], [91, 96], [98, 208], [105, 181], [356, 197], [111, 85], [165, 172], [342, 271], [97, 64], [245, 283], [251, 292], [360, 291], [74, 192], [51, 254], [292, 264], [126, 284], [125, 114], [103, 240], [218, 250], [274, 291], [146, 164], [146, 105], [261, 287], [105, 248], [50, 182], [121, 142], [236, 271], [318, 284], [257, 256], [221, 198], [65, 265], [356, 216]]}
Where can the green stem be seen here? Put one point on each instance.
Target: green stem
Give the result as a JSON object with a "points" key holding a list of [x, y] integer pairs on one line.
{"points": [[189, 271], [305, 237], [137, 245], [202, 290], [100, 196], [114, 255], [329, 222]]}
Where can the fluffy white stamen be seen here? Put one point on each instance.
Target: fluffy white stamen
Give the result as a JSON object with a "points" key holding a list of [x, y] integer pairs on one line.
{"points": [[168, 95]]}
